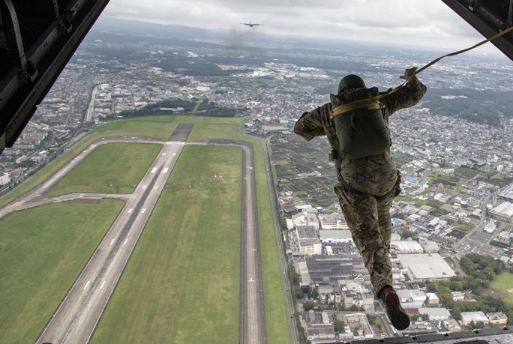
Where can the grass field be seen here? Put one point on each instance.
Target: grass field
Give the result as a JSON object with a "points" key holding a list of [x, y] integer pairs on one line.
{"points": [[504, 284], [160, 127], [42, 250], [182, 282], [111, 168], [277, 314], [157, 127]]}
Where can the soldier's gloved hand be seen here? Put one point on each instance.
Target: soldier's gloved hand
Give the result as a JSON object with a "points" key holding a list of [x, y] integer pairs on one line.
{"points": [[409, 74]]}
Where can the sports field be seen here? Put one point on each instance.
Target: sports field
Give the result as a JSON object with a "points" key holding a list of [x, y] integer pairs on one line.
{"points": [[111, 168], [182, 282], [504, 284], [42, 250]]}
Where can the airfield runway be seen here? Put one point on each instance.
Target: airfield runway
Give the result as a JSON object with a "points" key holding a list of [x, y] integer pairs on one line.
{"points": [[79, 312], [252, 329]]}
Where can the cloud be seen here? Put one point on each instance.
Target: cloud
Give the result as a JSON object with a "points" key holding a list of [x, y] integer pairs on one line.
{"points": [[407, 22]]}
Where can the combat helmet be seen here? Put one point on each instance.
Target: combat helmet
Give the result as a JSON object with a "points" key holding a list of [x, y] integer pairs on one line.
{"points": [[350, 81]]}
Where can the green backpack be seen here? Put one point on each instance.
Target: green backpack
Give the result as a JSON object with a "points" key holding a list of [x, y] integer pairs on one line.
{"points": [[359, 122]]}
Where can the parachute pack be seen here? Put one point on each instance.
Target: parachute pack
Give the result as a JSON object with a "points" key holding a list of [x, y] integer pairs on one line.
{"points": [[359, 122]]}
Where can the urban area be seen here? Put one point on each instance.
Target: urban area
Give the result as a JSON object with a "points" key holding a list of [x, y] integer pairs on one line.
{"points": [[453, 222]]}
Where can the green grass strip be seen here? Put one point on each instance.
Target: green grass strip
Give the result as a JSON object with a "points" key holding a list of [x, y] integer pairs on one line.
{"points": [[111, 168], [182, 282], [42, 251], [156, 127]]}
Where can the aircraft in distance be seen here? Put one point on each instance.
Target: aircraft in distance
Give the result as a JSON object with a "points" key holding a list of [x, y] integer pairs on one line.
{"points": [[37, 39], [250, 24]]}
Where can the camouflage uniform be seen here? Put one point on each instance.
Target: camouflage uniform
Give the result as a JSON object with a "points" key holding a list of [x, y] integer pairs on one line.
{"points": [[367, 186]]}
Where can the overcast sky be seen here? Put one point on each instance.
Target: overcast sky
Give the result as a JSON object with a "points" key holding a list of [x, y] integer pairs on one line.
{"points": [[428, 23]]}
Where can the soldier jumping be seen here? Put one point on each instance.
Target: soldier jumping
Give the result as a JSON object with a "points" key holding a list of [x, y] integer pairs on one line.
{"points": [[356, 125]]}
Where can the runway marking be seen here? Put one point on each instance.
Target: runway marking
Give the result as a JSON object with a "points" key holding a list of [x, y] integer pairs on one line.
{"points": [[87, 284], [130, 210], [251, 280], [112, 242], [143, 210], [124, 242], [164, 154], [103, 284], [165, 170], [144, 187], [174, 154], [153, 170]]}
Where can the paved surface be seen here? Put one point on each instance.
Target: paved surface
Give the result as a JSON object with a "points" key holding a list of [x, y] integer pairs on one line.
{"points": [[181, 133], [37, 202], [80, 310], [89, 116], [252, 327], [37, 194], [483, 336]]}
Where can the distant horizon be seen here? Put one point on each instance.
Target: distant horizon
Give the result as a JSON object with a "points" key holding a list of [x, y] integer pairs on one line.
{"points": [[404, 23], [219, 36]]}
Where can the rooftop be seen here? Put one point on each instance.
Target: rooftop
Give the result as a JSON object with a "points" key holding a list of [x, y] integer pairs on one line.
{"points": [[335, 234], [507, 193], [307, 232], [504, 209], [426, 266]]}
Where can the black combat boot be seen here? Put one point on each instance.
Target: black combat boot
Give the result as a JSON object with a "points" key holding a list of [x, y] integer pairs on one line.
{"points": [[395, 312]]}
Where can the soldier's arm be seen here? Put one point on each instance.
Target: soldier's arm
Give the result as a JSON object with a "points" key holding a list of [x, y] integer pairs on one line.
{"points": [[309, 125], [407, 96]]}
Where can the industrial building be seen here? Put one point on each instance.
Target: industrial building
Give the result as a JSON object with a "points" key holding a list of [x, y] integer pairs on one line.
{"points": [[308, 241], [503, 211], [329, 270], [4, 179], [436, 314], [335, 236], [333, 222], [497, 318], [406, 246], [411, 299], [507, 193], [427, 266], [467, 318]]}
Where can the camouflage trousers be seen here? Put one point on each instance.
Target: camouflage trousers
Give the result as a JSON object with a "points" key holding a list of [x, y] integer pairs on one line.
{"points": [[368, 218]]}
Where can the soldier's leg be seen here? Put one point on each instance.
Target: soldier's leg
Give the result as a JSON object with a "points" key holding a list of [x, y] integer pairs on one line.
{"points": [[385, 221], [384, 205], [361, 213]]}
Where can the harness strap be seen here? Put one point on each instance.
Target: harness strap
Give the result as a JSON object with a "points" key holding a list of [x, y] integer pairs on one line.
{"points": [[370, 103]]}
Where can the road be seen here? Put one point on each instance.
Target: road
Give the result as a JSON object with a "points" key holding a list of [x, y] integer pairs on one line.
{"points": [[79, 312], [89, 115], [477, 240]]}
